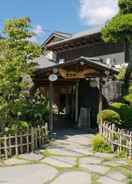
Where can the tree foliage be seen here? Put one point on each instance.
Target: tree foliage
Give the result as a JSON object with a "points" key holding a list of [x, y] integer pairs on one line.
{"points": [[119, 28], [125, 6], [16, 66]]}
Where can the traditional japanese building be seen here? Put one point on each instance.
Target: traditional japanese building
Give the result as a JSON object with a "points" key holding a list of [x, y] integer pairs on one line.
{"points": [[76, 73]]}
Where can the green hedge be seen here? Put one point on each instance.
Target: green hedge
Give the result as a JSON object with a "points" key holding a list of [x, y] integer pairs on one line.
{"points": [[125, 112], [109, 116], [99, 144]]}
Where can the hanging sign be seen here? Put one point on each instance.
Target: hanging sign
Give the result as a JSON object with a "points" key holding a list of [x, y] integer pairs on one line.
{"points": [[76, 74], [53, 77]]}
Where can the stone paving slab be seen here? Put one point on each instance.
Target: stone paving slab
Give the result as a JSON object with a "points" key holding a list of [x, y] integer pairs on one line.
{"points": [[121, 162], [31, 156], [105, 155], [100, 169], [82, 151], [111, 163], [80, 140], [60, 161], [90, 160], [107, 180], [75, 177], [15, 161], [116, 175], [63, 152], [32, 174]]}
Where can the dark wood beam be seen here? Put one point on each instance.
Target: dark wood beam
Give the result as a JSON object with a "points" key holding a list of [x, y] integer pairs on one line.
{"points": [[60, 50]]}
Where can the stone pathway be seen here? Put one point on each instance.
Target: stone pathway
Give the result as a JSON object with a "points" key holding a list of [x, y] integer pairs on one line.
{"points": [[69, 159]]}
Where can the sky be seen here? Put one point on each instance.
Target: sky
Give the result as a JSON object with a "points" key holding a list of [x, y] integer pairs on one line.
{"points": [[69, 16]]}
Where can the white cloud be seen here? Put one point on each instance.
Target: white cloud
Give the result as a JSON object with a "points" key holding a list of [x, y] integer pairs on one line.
{"points": [[38, 29], [96, 12], [39, 33]]}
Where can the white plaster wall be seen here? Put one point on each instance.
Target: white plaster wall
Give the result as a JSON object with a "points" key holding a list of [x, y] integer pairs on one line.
{"points": [[115, 59]]}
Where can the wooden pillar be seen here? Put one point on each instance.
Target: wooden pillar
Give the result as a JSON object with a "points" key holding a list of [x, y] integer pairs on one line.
{"points": [[73, 104], [100, 96], [67, 103], [76, 101], [51, 115]]}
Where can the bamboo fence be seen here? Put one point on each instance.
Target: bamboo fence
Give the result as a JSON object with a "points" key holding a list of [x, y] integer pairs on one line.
{"points": [[23, 142], [120, 139]]}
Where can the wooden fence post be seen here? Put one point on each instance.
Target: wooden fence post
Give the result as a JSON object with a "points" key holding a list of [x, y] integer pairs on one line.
{"points": [[5, 147], [21, 143], [118, 138], [9, 142], [39, 136], [130, 146], [32, 139], [36, 138], [0, 149], [27, 140], [46, 130], [16, 144]]}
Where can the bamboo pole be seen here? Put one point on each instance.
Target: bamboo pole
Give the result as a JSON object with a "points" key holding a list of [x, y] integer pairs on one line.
{"points": [[32, 139], [9, 142], [16, 145], [130, 146], [27, 140], [5, 147]]}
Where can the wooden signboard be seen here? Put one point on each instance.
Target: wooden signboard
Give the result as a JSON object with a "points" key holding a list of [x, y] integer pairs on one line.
{"points": [[70, 74]]}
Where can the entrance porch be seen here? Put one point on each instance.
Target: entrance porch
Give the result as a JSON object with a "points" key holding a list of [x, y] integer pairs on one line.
{"points": [[74, 90]]}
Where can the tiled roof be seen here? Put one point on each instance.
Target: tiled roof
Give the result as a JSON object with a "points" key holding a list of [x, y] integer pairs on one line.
{"points": [[78, 36], [43, 62]]}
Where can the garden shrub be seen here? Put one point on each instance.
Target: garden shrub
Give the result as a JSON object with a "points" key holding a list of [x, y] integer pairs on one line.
{"points": [[15, 127], [125, 112], [99, 144], [128, 98], [35, 110], [121, 74], [121, 154], [24, 113], [109, 116]]}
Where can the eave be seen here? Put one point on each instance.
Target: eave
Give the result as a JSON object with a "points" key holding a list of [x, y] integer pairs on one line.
{"points": [[80, 64]]}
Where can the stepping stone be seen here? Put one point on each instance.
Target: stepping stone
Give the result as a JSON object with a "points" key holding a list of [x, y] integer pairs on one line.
{"points": [[121, 162], [90, 160], [100, 169], [60, 161], [107, 180], [63, 152], [31, 156], [111, 163], [15, 161], [117, 176], [80, 140], [33, 174], [75, 177], [82, 151], [105, 155]]}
